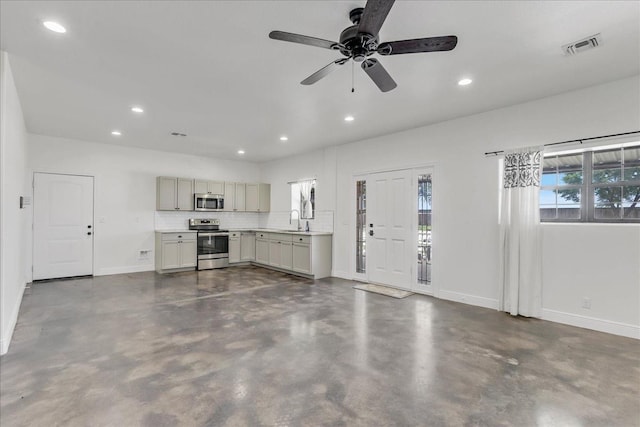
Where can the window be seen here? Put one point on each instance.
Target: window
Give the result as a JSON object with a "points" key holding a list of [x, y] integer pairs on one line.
{"points": [[303, 198], [601, 185]]}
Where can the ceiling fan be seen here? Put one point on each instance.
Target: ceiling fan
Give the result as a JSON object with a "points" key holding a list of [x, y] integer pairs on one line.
{"points": [[360, 41]]}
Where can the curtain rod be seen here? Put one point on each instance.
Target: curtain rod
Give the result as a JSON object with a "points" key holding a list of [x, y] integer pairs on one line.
{"points": [[581, 140], [301, 180]]}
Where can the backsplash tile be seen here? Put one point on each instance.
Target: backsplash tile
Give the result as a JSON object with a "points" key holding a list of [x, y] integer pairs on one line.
{"points": [[280, 220], [228, 220], [166, 220]]}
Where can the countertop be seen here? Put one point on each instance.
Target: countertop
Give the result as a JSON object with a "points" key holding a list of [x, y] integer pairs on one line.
{"points": [[259, 230], [272, 230]]}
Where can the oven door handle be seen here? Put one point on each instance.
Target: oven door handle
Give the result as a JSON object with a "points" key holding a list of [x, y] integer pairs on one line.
{"points": [[212, 234]]}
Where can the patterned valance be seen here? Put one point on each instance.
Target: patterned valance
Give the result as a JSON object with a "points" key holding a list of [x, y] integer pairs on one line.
{"points": [[522, 168]]}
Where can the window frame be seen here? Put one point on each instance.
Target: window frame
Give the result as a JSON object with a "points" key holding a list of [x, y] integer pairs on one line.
{"points": [[587, 198]]}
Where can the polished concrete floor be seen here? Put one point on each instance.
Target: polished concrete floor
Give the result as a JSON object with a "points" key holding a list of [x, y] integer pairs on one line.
{"points": [[245, 346]]}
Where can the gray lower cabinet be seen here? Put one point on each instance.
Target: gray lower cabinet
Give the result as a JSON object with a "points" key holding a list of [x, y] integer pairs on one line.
{"points": [[176, 251], [234, 247], [242, 246], [262, 248], [301, 258], [247, 246], [307, 255]]}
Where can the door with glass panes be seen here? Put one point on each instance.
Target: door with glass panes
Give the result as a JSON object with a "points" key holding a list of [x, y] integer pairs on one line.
{"points": [[393, 229]]}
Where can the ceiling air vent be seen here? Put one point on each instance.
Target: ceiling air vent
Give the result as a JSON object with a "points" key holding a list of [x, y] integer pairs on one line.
{"points": [[582, 45]]}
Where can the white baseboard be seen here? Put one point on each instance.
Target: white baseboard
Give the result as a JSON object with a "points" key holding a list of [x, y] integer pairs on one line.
{"points": [[341, 275], [124, 270], [602, 325], [13, 320], [468, 299]]}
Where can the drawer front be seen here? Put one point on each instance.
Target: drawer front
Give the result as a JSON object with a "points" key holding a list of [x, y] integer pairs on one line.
{"points": [[281, 237], [301, 239], [178, 236]]}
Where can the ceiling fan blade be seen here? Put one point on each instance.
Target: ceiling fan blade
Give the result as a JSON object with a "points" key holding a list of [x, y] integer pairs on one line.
{"points": [[324, 71], [375, 12], [428, 44], [378, 74], [299, 38]]}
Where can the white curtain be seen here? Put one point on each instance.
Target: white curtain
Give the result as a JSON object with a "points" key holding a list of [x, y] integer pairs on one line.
{"points": [[521, 234], [305, 196]]}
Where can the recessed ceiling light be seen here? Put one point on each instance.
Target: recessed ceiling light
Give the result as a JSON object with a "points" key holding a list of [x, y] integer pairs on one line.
{"points": [[240, 152], [464, 82], [137, 110], [284, 138], [116, 133], [54, 26], [349, 119]]}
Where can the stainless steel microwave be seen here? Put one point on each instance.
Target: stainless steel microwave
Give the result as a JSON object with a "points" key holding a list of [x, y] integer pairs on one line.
{"points": [[208, 202]]}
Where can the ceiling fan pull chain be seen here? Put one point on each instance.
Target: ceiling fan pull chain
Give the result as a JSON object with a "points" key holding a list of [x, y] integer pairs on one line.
{"points": [[353, 89]]}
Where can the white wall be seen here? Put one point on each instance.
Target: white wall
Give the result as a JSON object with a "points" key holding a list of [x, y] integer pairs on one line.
{"points": [[125, 191], [319, 164], [466, 203], [13, 220]]}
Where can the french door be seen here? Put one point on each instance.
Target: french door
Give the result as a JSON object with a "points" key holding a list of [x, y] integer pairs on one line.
{"points": [[62, 226]]}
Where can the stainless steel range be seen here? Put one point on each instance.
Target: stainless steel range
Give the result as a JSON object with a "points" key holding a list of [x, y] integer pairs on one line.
{"points": [[213, 243]]}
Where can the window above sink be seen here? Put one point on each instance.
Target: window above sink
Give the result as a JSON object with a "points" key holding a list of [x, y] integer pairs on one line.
{"points": [[303, 198]]}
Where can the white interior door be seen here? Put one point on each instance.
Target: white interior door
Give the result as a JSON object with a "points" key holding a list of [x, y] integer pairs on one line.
{"points": [[62, 226], [389, 223]]}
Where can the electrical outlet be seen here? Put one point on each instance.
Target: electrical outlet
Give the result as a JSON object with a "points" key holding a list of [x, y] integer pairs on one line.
{"points": [[143, 254], [586, 303]]}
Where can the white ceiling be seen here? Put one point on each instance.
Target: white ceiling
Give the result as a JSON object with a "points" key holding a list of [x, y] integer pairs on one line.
{"points": [[208, 68]]}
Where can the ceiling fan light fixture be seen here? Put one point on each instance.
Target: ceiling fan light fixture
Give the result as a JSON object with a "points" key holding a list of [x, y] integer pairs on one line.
{"points": [[54, 26], [349, 119], [464, 82]]}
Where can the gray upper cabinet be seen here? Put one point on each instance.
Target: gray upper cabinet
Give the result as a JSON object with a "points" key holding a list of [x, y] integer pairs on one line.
{"points": [[174, 194], [258, 197], [211, 187], [177, 194], [234, 196]]}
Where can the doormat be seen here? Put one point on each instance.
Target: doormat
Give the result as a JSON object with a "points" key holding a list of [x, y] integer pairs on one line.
{"points": [[384, 290]]}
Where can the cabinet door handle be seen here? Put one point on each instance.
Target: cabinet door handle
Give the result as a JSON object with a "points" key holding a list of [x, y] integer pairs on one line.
{"points": [[179, 237], [89, 233]]}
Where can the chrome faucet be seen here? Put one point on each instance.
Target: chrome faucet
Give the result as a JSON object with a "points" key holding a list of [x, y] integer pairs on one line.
{"points": [[291, 217]]}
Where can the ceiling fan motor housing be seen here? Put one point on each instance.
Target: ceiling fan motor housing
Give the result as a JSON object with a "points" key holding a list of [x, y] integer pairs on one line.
{"points": [[354, 44]]}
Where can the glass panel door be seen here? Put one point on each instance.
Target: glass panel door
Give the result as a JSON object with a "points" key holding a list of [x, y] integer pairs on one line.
{"points": [[361, 223], [425, 186]]}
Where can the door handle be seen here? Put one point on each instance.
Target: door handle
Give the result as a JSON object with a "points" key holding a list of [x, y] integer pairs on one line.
{"points": [[89, 233], [370, 232], [88, 226]]}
